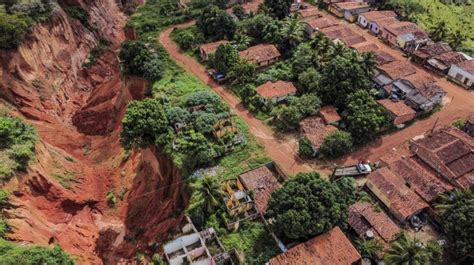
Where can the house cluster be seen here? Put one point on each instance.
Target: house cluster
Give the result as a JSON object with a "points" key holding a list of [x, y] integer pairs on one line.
{"points": [[436, 56], [410, 91], [316, 128], [412, 179]]}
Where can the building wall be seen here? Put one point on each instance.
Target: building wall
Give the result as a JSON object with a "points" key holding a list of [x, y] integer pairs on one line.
{"points": [[374, 28], [461, 76], [362, 21], [352, 15], [403, 119]]}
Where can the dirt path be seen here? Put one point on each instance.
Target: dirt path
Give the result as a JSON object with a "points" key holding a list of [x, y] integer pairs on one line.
{"points": [[281, 150]]}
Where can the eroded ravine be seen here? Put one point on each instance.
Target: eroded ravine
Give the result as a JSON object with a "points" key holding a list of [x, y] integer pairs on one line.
{"points": [[77, 112]]}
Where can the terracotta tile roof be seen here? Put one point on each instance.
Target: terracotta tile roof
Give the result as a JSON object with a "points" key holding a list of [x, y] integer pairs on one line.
{"points": [[350, 5], [370, 16], [397, 109], [424, 84], [260, 53], [321, 23], [405, 27], [392, 191], [316, 136], [332, 247], [450, 58], [365, 47], [468, 66], [310, 12], [363, 216], [345, 34], [329, 114], [448, 151], [420, 178], [262, 182], [397, 69], [395, 154], [212, 46], [384, 57], [382, 22], [311, 123], [276, 89], [432, 50]]}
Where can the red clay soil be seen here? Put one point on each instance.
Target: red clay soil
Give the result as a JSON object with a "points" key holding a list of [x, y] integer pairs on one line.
{"points": [[281, 150]]}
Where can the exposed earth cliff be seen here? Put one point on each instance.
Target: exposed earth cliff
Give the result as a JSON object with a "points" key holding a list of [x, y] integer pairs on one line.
{"points": [[79, 161]]}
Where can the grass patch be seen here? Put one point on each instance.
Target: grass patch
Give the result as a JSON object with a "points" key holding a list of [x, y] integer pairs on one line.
{"points": [[65, 178]]}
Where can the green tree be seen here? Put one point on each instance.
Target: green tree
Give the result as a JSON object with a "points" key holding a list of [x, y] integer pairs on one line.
{"points": [[286, 117], [336, 144], [292, 33], [238, 11], [242, 72], [206, 198], [364, 118], [210, 101], [137, 59], [242, 40], [11, 253], [307, 104], [143, 122], [278, 8], [224, 58], [342, 76], [457, 213], [305, 148], [440, 31], [13, 28], [215, 23], [368, 248], [408, 251], [308, 205], [456, 39], [254, 26]]}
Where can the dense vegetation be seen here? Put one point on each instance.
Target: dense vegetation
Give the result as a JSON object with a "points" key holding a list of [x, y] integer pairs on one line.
{"points": [[17, 19], [137, 58], [175, 91], [17, 144], [308, 205], [405, 250], [451, 21], [457, 213]]}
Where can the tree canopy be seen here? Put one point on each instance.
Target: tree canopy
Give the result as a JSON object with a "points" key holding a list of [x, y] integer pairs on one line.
{"points": [[215, 23], [224, 58], [457, 213], [336, 144], [287, 117], [364, 118], [143, 122], [308, 205], [412, 251], [278, 8], [137, 59], [11, 253]]}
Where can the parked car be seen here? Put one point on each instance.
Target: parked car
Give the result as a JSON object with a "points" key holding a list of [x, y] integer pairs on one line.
{"points": [[218, 77]]}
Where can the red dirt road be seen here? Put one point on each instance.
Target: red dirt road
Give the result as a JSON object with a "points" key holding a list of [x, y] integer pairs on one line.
{"points": [[458, 103], [282, 151]]}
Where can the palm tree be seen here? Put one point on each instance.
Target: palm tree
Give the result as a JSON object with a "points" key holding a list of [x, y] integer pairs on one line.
{"points": [[446, 201], [292, 31], [369, 61], [368, 248], [456, 39], [407, 252], [211, 192], [242, 40], [440, 31]]}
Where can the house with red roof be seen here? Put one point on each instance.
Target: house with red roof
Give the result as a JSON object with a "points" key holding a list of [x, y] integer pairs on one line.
{"points": [[276, 92], [262, 55], [206, 49], [332, 247]]}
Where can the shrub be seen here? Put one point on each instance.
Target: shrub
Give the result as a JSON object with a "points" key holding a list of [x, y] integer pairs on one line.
{"points": [[305, 148], [17, 145], [336, 144], [137, 59], [11, 253], [77, 12], [111, 200], [13, 28]]}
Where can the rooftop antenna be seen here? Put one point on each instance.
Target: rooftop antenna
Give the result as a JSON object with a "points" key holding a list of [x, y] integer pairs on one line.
{"points": [[434, 125]]}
